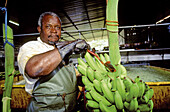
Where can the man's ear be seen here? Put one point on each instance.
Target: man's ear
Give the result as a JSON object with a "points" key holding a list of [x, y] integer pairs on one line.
{"points": [[39, 29]]}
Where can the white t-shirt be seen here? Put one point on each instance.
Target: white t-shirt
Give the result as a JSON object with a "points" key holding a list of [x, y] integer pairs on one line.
{"points": [[26, 51]]}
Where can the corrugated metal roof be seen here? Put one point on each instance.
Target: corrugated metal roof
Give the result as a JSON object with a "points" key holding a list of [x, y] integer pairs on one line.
{"points": [[81, 15]]}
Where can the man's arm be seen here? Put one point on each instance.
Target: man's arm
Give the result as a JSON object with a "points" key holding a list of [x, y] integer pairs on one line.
{"points": [[43, 64]]}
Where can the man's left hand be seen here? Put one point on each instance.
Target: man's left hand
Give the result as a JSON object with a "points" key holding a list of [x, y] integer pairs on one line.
{"points": [[81, 46]]}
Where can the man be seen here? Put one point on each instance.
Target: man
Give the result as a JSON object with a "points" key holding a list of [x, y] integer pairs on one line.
{"points": [[49, 80]]}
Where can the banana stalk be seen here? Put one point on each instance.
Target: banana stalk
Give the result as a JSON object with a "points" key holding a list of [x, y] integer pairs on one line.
{"points": [[112, 27], [9, 69]]}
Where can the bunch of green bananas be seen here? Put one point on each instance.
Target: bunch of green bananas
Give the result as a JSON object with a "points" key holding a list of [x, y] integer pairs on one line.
{"points": [[108, 91]]}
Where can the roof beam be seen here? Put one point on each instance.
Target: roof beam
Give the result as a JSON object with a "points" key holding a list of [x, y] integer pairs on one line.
{"points": [[84, 22], [104, 22], [64, 12], [67, 33]]}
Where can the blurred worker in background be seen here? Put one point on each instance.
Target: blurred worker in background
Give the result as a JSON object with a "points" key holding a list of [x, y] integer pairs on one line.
{"points": [[49, 80]]}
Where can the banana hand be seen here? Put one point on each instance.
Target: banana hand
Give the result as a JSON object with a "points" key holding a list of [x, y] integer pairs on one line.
{"points": [[107, 92], [118, 101]]}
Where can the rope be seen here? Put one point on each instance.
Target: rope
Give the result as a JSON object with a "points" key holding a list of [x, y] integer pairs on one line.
{"points": [[108, 24], [112, 21], [107, 64], [95, 55], [112, 24], [6, 40], [113, 31]]}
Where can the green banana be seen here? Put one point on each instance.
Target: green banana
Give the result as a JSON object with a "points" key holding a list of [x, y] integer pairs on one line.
{"points": [[108, 81], [138, 110], [96, 110], [118, 101], [95, 95], [118, 70], [127, 82], [88, 87], [107, 92], [133, 105], [111, 75], [113, 93], [147, 96], [97, 85], [92, 104], [98, 76], [81, 69], [105, 108], [121, 88], [144, 107], [100, 65], [102, 58], [86, 81], [126, 105], [141, 86], [106, 57], [151, 104], [128, 97], [113, 108], [90, 73], [88, 96], [123, 110], [134, 89], [123, 71], [91, 62], [82, 62], [105, 101], [150, 92], [133, 92], [113, 80], [137, 79], [146, 87], [144, 99]]}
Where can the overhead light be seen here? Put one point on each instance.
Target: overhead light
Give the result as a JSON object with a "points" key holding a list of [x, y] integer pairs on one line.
{"points": [[163, 19], [13, 22], [134, 33]]}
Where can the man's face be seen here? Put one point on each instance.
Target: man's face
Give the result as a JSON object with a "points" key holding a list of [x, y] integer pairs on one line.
{"points": [[50, 31]]}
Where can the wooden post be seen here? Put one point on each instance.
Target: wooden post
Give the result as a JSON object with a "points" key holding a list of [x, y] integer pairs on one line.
{"points": [[9, 69]]}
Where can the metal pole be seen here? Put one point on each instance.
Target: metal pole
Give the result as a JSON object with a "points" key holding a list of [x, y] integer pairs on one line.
{"points": [[85, 30]]}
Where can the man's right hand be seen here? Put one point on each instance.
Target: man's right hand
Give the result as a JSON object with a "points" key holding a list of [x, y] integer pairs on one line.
{"points": [[61, 44], [67, 47], [81, 46]]}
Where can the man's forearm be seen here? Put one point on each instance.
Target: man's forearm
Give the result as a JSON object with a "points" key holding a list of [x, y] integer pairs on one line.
{"points": [[43, 64]]}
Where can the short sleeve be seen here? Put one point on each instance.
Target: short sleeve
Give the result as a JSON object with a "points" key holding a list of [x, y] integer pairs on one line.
{"points": [[27, 51]]}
